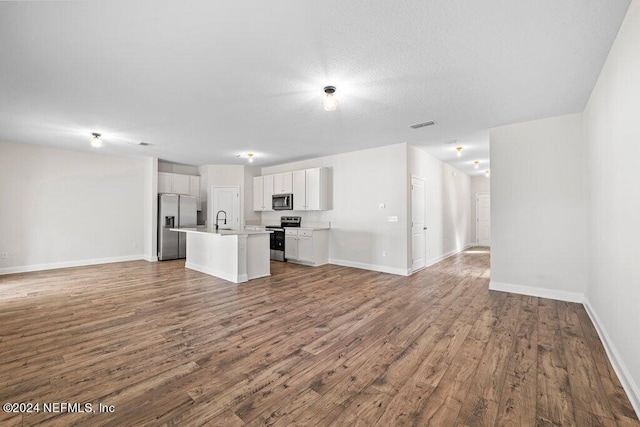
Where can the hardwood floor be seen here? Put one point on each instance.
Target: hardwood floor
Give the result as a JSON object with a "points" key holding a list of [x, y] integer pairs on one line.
{"points": [[308, 346]]}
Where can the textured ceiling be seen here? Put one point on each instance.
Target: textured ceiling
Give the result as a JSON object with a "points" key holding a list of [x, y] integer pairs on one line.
{"points": [[203, 81]]}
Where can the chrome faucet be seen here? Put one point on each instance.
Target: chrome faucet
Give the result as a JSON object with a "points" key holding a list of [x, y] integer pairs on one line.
{"points": [[225, 218]]}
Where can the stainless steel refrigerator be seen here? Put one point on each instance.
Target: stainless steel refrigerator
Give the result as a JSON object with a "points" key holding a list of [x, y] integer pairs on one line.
{"points": [[174, 211]]}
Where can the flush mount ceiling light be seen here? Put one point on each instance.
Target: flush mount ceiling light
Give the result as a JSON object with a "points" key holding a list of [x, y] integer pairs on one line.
{"points": [[476, 164], [459, 150], [96, 142], [487, 173], [329, 102], [248, 156]]}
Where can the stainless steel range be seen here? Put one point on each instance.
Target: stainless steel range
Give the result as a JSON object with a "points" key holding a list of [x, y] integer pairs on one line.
{"points": [[277, 237]]}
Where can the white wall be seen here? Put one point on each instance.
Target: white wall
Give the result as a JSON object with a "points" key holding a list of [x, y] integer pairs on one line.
{"points": [[150, 238], [479, 184], [60, 208], [538, 207], [359, 229], [612, 132], [221, 176], [448, 218]]}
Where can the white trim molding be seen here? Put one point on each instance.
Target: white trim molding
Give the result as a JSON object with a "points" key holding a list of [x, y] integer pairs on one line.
{"points": [[372, 267], [442, 257], [537, 292], [68, 264], [629, 385], [395, 270]]}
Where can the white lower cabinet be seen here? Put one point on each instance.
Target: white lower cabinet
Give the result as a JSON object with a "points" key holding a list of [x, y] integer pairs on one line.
{"points": [[291, 246], [306, 246]]}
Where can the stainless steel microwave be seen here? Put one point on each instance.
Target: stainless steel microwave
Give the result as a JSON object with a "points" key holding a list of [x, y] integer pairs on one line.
{"points": [[282, 202]]}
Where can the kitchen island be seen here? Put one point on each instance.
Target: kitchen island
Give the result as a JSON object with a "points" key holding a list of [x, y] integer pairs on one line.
{"points": [[233, 255]]}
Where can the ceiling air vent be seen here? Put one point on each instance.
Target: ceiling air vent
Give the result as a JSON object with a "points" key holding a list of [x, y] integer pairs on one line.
{"points": [[144, 144], [424, 124]]}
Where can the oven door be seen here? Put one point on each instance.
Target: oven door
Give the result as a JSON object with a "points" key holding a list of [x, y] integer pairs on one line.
{"points": [[277, 245], [277, 241]]}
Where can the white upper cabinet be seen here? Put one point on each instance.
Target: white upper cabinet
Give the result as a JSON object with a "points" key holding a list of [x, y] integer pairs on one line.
{"points": [[165, 182], [176, 183], [181, 183], [262, 193], [282, 183], [311, 190], [194, 189], [299, 190], [268, 192], [194, 186]]}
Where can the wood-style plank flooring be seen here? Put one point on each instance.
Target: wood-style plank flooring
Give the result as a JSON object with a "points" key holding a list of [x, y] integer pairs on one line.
{"points": [[307, 346]]}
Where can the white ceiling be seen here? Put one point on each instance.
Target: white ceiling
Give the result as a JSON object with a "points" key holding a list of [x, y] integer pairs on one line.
{"points": [[203, 81]]}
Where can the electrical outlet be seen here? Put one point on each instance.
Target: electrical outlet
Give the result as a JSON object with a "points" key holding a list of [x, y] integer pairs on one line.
{"points": [[4, 255], [384, 253], [393, 219], [382, 206]]}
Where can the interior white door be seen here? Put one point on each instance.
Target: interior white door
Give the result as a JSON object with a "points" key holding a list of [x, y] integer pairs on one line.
{"points": [[418, 224], [483, 219], [226, 199]]}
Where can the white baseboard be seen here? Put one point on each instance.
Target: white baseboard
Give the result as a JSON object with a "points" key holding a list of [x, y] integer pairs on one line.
{"points": [[372, 267], [151, 258], [629, 385], [395, 270], [308, 264], [537, 292], [67, 264], [235, 278], [442, 257]]}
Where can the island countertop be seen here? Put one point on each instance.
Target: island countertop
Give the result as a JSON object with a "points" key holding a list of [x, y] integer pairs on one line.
{"points": [[221, 232]]}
